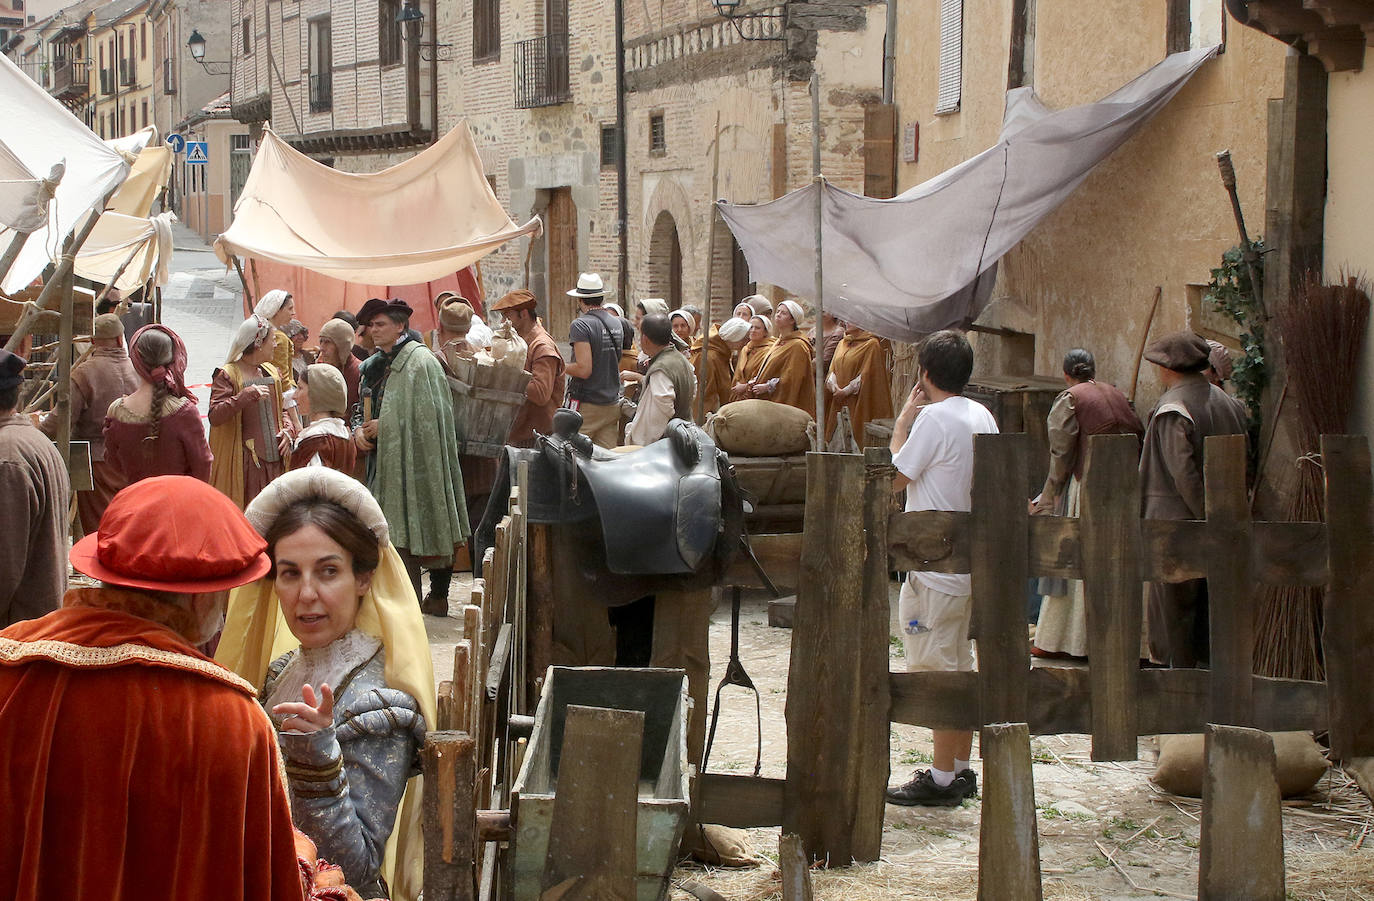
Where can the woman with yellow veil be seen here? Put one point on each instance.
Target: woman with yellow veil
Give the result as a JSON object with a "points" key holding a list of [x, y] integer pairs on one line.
{"points": [[334, 637]]}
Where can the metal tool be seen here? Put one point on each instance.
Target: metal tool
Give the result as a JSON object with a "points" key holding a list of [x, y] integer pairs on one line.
{"points": [[735, 675]]}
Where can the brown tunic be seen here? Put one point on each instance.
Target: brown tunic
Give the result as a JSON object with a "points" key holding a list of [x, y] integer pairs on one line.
{"points": [[863, 355], [258, 443], [790, 362], [180, 448], [34, 493], [334, 452], [1079, 412], [544, 393], [1172, 488], [716, 393]]}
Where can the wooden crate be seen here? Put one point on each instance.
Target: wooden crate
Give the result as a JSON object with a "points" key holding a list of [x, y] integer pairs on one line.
{"points": [[661, 811], [1021, 403], [486, 399]]}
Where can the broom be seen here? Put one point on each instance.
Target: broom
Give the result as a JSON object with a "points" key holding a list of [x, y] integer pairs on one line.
{"points": [[1322, 328]]}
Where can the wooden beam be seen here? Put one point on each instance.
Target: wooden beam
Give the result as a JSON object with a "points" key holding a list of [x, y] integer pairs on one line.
{"points": [[830, 740], [1110, 506], [872, 697], [1008, 841], [1348, 631], [1241, 857], [1000, 551], [796, 875], [742, 802], [592, 843], [449, 764], [1230, 588]]}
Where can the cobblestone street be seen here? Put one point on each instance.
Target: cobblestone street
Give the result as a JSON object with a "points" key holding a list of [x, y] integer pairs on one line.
{"points": [[202, 302]]}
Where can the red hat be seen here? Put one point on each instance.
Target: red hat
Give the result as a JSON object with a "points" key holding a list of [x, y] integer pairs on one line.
{"points": [[173, 533]]}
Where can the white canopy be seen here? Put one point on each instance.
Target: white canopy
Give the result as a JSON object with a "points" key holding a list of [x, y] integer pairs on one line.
{"points": [[420, 220], [23, 198], [115, 237], [40, 133], [922, 261]]}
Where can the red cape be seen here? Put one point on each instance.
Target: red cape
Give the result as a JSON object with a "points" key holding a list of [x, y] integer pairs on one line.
{"points": [[125, 777]]}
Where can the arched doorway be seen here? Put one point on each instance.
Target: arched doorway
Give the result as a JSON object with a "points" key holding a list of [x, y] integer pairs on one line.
{"points": [[665, 260]]}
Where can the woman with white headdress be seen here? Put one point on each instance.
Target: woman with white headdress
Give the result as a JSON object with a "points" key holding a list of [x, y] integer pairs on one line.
{"points": [[751, 356], [787, 376], [250, 435], [335, 638], [277, 308]]}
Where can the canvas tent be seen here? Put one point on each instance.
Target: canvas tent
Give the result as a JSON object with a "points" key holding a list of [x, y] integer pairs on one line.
{"points": [[125, 230], [922, 261], [422, 220], [39, 133], [23, 196]]}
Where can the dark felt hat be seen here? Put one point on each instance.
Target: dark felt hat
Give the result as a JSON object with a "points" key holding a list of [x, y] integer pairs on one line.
{"points": [[11, 369], [377, 305], [1184, 351]]}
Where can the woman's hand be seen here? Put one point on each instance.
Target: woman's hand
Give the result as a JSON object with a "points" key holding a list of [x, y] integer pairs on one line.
{"points": [[284, 442], [312, 715], [254, 392], [739, 392]]}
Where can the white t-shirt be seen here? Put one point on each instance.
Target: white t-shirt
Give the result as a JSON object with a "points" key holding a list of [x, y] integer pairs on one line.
{"points": [[938, 459]]}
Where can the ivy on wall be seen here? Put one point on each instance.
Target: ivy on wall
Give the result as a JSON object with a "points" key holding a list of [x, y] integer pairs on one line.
{"points": [[1229, 292]]}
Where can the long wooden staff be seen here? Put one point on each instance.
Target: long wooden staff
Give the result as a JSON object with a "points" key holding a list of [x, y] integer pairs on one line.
{"points": [[1144, 338]]}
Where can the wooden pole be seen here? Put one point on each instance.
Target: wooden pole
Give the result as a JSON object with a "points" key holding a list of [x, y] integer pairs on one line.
{"points": [[247, 292], [1230, 583], [1241, 854], [449, 763], [1008, 841], [796, 874], [12, 253], [702, 363], [819, 181], [1144, 338], [999, 537], [114, 278]]}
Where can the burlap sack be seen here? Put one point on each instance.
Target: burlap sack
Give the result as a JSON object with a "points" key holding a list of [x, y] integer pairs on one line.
{"points": [[1182, 763], [719, 846], [760, 428]]}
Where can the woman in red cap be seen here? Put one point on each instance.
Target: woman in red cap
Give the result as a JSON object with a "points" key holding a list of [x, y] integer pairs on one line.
{"points": [[131, 765]]}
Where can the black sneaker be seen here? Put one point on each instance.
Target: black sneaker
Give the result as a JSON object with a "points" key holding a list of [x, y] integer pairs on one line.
{"points": [[970, 780], [922, 791]]}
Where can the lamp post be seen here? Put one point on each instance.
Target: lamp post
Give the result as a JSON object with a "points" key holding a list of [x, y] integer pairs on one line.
{"points": [[196, 44], [729, 9]]}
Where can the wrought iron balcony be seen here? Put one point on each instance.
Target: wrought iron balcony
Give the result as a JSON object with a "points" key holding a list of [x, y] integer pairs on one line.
{"points": [[71, 79], [322, 92], [541, 72]]}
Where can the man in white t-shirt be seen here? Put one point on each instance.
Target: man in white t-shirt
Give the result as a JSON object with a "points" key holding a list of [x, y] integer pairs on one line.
{"points": [[933, 454]]}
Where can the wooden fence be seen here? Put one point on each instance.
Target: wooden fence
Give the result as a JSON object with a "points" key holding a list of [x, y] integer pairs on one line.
{"points": [[841, 696]]}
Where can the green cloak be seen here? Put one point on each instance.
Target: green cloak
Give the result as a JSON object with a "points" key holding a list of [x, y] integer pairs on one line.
{"points": [[417, 480]]}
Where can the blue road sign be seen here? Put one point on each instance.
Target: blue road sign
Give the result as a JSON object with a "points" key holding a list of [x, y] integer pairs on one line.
{"points": [[177, 142], [197, 153]]}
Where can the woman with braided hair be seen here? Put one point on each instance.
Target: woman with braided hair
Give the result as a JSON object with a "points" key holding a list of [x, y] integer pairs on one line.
{"points": [[156, 431]]}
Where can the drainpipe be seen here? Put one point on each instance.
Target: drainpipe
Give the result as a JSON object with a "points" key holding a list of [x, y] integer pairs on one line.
{"points": [[412, 45], [889, 51], [621, 188], [434, 74]]}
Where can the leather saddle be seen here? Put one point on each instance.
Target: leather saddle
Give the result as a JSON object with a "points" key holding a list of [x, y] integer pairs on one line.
{"points": [[672, 508]]}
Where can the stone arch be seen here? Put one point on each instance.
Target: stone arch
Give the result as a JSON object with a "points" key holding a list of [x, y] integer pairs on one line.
{"points": [[665, 260]]}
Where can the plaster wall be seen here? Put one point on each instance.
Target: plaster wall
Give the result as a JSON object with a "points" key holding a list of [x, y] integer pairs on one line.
{"points": [[1153, 214], [1349, 241]]}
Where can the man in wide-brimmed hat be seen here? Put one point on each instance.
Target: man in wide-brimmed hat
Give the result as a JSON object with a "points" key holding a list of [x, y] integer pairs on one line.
{"points": [[1190, 409], [594, 374], [98, 381], [412, 468], [34, 494], [131, 764], [543, 362]]}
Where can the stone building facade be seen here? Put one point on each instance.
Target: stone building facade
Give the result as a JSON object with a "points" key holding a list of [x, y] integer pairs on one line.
{"points": [[687, 69], [536, 82]]}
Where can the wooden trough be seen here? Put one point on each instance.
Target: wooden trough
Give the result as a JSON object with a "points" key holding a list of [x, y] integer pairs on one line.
{"points": [[570, 803], [486, 399]]}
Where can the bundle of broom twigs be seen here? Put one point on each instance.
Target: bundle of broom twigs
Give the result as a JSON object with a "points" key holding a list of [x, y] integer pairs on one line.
{"points": [[1322, 328]]}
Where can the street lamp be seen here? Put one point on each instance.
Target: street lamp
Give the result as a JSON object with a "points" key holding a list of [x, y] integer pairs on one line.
{"points": [[729, 9], [412, 19], [196, 44]]}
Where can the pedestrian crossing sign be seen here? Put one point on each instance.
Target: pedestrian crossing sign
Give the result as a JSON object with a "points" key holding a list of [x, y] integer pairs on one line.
{"points": [[197, 153]]}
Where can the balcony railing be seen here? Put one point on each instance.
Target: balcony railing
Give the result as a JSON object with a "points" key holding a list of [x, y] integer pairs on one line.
{"points": [[322, 92], [541, 72], [71, 78]]}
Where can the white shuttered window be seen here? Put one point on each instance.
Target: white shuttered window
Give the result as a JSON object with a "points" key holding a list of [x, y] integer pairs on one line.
{"points": [[951, 55]]}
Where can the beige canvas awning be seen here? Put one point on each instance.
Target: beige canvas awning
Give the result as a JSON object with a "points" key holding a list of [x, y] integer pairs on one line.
{"points": [[145, 243], [418, 221]]}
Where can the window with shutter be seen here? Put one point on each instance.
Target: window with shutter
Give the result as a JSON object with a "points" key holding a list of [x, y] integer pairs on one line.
{"points": [[951, 55]]}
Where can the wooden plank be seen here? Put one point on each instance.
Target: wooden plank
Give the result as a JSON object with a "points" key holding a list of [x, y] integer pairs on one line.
{"points": [[779, 555], [444, 706], [1110, 519], [782, 612], [449, 763], [827, 733], [998, 565], [872, 698], [500, 659], [463, 715], [1230, 590], [1349, 614], [540, 601], [796, 875], [1008, 842], [1289, 553], [1059, 703], [930, 541], [1054, 547], [1241, 857], [1174, 551], [592, 836], [741, 802]]}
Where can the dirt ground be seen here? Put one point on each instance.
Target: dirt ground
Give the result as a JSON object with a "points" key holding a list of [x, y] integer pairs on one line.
{"points": [[1105, 831]]}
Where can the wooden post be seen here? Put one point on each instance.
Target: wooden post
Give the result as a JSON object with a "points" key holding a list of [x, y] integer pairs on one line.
{"points": [[247, 292], [12, 253], [51, 290], [1348, 633], [796, 875], [538, 628], [461, 711], [1008, 841], [1110, 540], [592, 838], [819, 181], [1000, 539], [1241, 858], [875, 696], [449, 763], [704, 361], [1230, 585], [114, 278], [62, 403], [835, 746]]}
